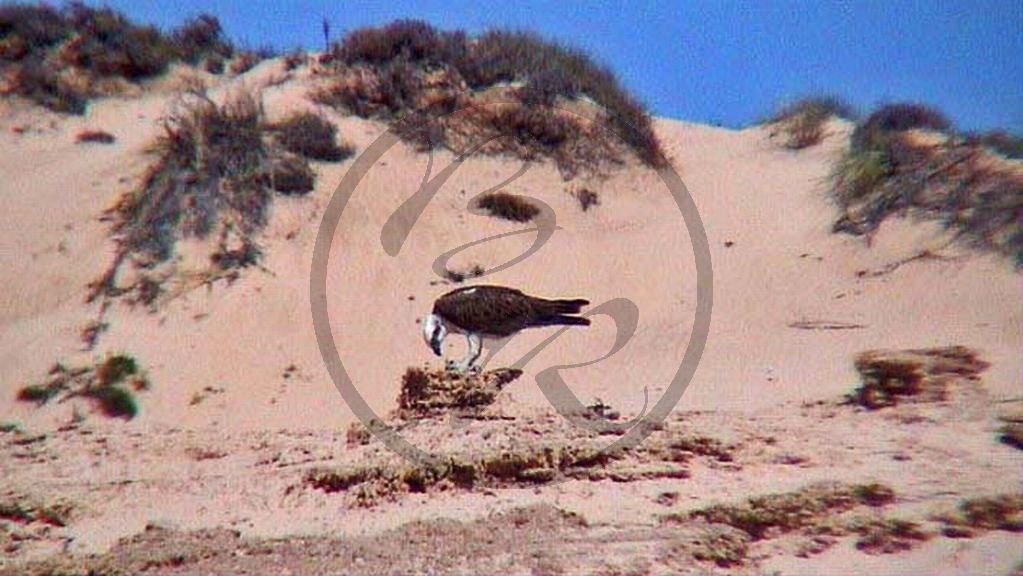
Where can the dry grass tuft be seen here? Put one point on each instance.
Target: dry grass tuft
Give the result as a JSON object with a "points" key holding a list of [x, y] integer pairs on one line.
{"points": [[508, 207], [802, 122]]}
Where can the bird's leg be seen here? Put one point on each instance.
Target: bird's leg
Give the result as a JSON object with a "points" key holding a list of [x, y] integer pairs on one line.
{"points": [[475, 349]]}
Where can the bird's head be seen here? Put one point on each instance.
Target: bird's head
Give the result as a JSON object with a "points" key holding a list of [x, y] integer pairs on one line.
{"points": [[434, 333]]}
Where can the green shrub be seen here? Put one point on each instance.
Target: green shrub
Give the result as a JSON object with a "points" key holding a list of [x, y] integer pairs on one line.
{"points": [[116, 369], [115, 401], [874, 131], [101, 382], [40, 393]]}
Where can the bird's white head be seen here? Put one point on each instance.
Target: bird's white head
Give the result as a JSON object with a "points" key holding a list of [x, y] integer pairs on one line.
{"points": [[434, 332]]}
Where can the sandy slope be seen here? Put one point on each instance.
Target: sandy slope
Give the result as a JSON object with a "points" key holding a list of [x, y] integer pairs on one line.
{"points": [[781, 266]]}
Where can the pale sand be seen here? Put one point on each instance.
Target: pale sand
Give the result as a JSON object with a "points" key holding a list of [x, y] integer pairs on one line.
{"points": [[784, 266]]}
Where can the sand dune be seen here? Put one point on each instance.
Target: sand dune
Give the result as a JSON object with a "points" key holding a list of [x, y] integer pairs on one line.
{"points": [[793, 304]]}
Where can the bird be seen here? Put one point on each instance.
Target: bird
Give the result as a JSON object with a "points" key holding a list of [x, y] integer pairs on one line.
{"points": [[495, 313]]}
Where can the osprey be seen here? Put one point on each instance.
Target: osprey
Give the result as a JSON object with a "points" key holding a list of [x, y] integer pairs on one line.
{"points": [[493, 312]]}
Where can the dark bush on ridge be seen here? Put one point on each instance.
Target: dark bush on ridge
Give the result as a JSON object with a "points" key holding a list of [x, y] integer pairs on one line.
{"points": [[897, 118], [30, 28], [413, 40], [201, 37], [402, 52]]}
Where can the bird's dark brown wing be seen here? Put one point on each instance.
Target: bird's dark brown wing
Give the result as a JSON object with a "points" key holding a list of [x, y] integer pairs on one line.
{"points": [[494, 310]]}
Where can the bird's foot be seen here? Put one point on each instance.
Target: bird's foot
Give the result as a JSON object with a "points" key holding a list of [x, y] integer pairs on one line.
{"points": [[462, 368]]}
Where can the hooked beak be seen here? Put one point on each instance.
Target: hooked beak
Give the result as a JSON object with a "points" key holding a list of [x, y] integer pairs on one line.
{"points": [[435, 343]]}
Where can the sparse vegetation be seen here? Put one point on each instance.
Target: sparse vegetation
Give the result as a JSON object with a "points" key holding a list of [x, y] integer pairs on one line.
{"points": [[395, 70], [803, 121], [508, 207], [311, 136], [723, 533], [104, 382], [98, 136], [764, 516], [61, 56]]}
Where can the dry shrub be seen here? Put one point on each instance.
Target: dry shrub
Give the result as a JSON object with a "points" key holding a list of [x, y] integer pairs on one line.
{"points": [[98, 43], [587, 198], [923, 375], [764, 516], [98, 136], [311, 136], [389, 72], [215, 174], [508, 207]]}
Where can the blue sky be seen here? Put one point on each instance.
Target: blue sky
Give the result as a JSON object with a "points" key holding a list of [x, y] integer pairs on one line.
{"points": [[711, 61]]}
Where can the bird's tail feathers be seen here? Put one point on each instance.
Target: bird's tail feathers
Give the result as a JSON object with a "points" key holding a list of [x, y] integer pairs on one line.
{"points": [[559, 320], [566, 306]]}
